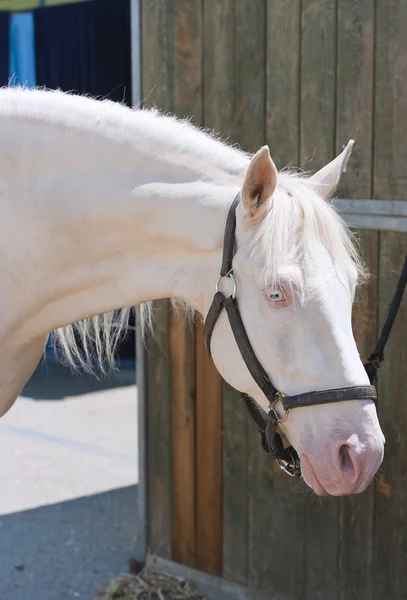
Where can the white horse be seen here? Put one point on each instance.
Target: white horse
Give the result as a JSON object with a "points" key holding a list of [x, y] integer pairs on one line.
{"points": [[104, 207]]}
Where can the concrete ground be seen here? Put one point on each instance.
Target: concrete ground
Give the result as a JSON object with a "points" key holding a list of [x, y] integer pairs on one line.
{"points": [[68, 485]]}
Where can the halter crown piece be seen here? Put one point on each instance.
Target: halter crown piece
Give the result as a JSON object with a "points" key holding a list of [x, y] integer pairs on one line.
{"points": [[287, 458]]}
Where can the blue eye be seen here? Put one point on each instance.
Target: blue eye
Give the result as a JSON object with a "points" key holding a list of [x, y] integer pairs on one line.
{"points": [[275, 295]]}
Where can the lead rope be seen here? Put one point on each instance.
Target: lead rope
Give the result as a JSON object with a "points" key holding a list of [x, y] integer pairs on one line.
{"points": [[377, 357]]}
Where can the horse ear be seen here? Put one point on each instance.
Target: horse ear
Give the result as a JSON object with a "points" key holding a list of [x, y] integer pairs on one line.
{"points": [[326, 180], [259, 184]]}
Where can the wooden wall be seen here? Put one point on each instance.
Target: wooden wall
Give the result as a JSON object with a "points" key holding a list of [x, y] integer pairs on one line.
{"points": [[304, 76]]}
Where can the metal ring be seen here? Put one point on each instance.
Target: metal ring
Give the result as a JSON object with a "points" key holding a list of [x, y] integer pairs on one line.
{"points": [[229, 276], [280, 396], [284, 466]]}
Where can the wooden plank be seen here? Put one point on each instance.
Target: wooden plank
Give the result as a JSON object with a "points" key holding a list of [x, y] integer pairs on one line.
{"points": [[235, 487], [158, 437], [218, 61], [249, 73], [218, 111], [157, 54], [391, 501], [354, 119], [157, 89], [317, 82], [182, 442], [391, 101], [283, 58], [318, 70], [390, 180], [187, 102], [209, 461]]}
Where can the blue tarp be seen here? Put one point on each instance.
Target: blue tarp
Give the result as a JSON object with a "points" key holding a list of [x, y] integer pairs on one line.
{"points": [[22, 50]]}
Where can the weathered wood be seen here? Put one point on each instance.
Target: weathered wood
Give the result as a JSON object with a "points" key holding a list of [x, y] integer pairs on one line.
{"points": [[391, 500], [354, 119], [218, 67], [157, 89], [183, 459], [188, 59], [283, 81], [249, 73], [158, 439], [390, 174], [209, 461], [318, 41], [318, 70], [390, 180], [235, 487], [157, 55], [187, 102]]}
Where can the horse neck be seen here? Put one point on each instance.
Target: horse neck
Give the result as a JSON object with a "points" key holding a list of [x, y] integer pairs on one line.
{"points": [[104, 228]]}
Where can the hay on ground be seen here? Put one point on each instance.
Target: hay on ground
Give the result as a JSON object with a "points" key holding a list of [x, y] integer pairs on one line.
{"points": [[150, 584]]}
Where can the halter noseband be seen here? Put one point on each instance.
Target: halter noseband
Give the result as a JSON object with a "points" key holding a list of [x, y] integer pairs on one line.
{"points": [[287, 458]]}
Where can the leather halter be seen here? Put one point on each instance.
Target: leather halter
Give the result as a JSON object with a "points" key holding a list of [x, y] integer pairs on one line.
{"points": [[272, 443]]}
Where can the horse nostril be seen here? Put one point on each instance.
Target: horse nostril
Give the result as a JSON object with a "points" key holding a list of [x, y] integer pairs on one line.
{"points": [[346, 463]]}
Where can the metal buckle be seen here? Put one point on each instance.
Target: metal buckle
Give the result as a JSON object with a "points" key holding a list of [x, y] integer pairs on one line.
{"points": [[232, 278], [279, 420], [287, 467]]}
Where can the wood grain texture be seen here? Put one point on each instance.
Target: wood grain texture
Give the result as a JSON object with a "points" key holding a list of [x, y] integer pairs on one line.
{"points": [[391, 100], [188, 39], [318, 69], [183, 456], [218, 67], [159, 436], [283, 81], [187, 102], [390, 181], [391, 495], [209, 461], [354, 119], [157, 51], [235, 487], [250, 73]]}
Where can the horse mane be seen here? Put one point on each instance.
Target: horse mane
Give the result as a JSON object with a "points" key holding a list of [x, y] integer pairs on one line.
{"points": [[299, 217]]}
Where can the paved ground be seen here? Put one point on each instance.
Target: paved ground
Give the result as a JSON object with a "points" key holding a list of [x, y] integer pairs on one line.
{"points": [[68, 475]]}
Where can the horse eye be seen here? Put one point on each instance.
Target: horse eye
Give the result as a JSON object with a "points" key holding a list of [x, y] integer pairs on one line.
{"points": [[275, 295]]}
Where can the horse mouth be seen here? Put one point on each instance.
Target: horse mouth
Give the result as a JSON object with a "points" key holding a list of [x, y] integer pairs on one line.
{"points": [[310, 477]]}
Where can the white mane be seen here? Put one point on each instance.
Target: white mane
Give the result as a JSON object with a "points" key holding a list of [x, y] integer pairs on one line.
{"points": [[299, 217], [298, 214]]}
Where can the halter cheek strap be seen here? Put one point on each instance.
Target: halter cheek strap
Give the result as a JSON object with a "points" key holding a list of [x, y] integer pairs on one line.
{"points": [[287, 458]]}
